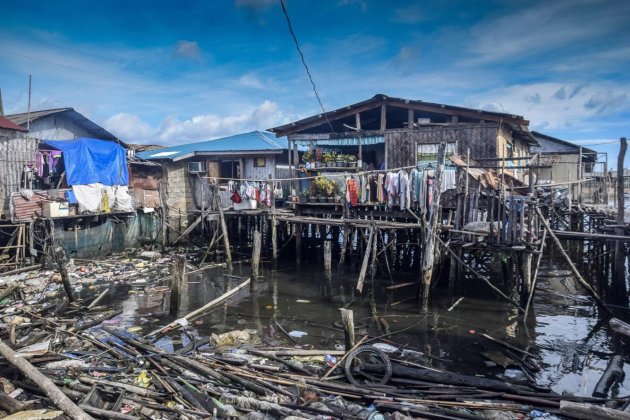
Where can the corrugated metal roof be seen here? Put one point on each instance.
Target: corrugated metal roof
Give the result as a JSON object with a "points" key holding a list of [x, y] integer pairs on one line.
{"points": [[255, 141], [96, 130], [553, 145], [10, 125]]}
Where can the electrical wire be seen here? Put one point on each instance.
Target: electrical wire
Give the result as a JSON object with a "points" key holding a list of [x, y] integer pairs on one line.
{"points": [[308, 72]]}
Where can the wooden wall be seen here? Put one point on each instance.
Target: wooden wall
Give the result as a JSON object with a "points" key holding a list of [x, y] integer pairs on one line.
{"points": [[401, 144], [252, 172]]}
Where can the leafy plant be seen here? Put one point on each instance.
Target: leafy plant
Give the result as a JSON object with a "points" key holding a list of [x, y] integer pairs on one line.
{"points": [[330, 157], [351, 158], [324, 186], [308, 156]]}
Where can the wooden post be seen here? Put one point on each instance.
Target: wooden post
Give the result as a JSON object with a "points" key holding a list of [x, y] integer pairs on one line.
{"points": [[327, 260], [347, 319], [274, 230], [344, 246], [620, 268], [179, 285], [535, 275], [44, 383], [366, 260], [60, 257], [383, 117], [224, 230], [255, 259], [431, 232]]}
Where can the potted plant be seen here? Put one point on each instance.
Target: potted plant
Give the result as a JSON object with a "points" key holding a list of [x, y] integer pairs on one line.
{"points": [[303, 196], [312, 193], [319, 157], [308, 157], [341, 161], [352, 161], [329, 159]]}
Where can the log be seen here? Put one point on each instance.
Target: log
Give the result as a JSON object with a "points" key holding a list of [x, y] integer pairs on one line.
{"points": [[192, 315], [590, 411], [50, 389], [619, 326], [612, 374]]}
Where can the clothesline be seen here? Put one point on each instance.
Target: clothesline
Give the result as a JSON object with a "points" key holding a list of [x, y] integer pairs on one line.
{"points": [[328, 175]]}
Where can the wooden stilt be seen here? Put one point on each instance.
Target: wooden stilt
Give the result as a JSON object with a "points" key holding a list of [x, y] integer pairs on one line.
{"points": [[255, 259], [179, 285], [224, 231], [431, 232], [60, 257], [347, 318], [366, 260]]}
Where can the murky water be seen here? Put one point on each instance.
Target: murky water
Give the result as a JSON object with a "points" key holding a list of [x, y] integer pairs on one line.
{"points": [[566, 332]]}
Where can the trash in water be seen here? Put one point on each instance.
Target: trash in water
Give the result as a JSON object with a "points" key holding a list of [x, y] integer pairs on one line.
{"points": [[297, 334]]}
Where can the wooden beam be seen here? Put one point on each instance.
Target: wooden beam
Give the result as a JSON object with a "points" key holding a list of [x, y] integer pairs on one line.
{"points": [[383, 117], [410, 118], [357, 120]]}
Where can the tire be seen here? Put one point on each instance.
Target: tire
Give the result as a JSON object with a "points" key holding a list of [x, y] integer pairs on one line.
{"points": [[384, 359]]}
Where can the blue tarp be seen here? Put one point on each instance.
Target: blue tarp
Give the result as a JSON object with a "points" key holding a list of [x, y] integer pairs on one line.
{"points": [[88, 161]]}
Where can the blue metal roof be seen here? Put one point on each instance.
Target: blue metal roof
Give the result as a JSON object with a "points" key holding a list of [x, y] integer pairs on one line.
{"points": [[255, 141]]}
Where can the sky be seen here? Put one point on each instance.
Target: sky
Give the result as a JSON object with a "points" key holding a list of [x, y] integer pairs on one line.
{"points": [[165, 72]]}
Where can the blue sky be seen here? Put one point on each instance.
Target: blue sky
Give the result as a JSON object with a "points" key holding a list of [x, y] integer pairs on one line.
{"points": [[171, 72]]}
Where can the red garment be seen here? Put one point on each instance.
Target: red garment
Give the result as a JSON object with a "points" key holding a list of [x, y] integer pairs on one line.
{"points": [[353, 191]]}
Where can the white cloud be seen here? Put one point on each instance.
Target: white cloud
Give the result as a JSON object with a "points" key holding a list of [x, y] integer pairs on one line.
{"points": [[545, 27], [129, 127], [172, 130], [554, 105], [188, 49], [251, 80]]}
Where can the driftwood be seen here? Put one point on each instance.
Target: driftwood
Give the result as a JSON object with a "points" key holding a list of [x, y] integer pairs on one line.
{"points": [[192, 315], [50, 389], [590, 411], [612, 374], [11, 405], [619, 326]]}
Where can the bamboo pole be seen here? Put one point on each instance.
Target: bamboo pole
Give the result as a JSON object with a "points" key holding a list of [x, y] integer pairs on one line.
{"points": [[535, 276]]}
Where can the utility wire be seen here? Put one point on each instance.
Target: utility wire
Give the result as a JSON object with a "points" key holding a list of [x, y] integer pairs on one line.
{"points": [[310, 77]]}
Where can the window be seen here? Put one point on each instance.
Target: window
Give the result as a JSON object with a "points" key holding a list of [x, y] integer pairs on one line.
{"points": [[260, 162], [429, 151]]}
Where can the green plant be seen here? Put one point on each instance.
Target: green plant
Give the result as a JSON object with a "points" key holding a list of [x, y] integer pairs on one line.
{"points": [[308, 156], [351, 158], [324, 186], [342, 158], [304, 193], [330, 157]]}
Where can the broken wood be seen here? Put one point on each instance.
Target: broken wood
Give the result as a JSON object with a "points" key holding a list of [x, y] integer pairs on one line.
{"points": [[619, 326], [366, 260], [50, 389], [192, 315], [60, 258], [612, 374]]}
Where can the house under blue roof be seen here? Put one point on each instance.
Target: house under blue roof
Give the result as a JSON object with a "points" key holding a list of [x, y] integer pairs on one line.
{"points": [[255, 142]]}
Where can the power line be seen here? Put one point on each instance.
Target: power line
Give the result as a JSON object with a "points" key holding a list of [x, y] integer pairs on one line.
{"points": [[310, 77]]}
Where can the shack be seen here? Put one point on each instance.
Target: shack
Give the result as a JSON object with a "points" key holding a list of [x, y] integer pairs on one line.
{"points": [[252, 158], [570, 165], [61, 187]]}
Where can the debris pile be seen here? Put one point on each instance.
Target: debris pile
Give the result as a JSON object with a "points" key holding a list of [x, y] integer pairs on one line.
{"points": [[79, 359]]}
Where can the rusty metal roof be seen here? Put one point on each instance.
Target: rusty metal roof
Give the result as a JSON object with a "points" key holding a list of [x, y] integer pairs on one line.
{"points": [[10, 125]]}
